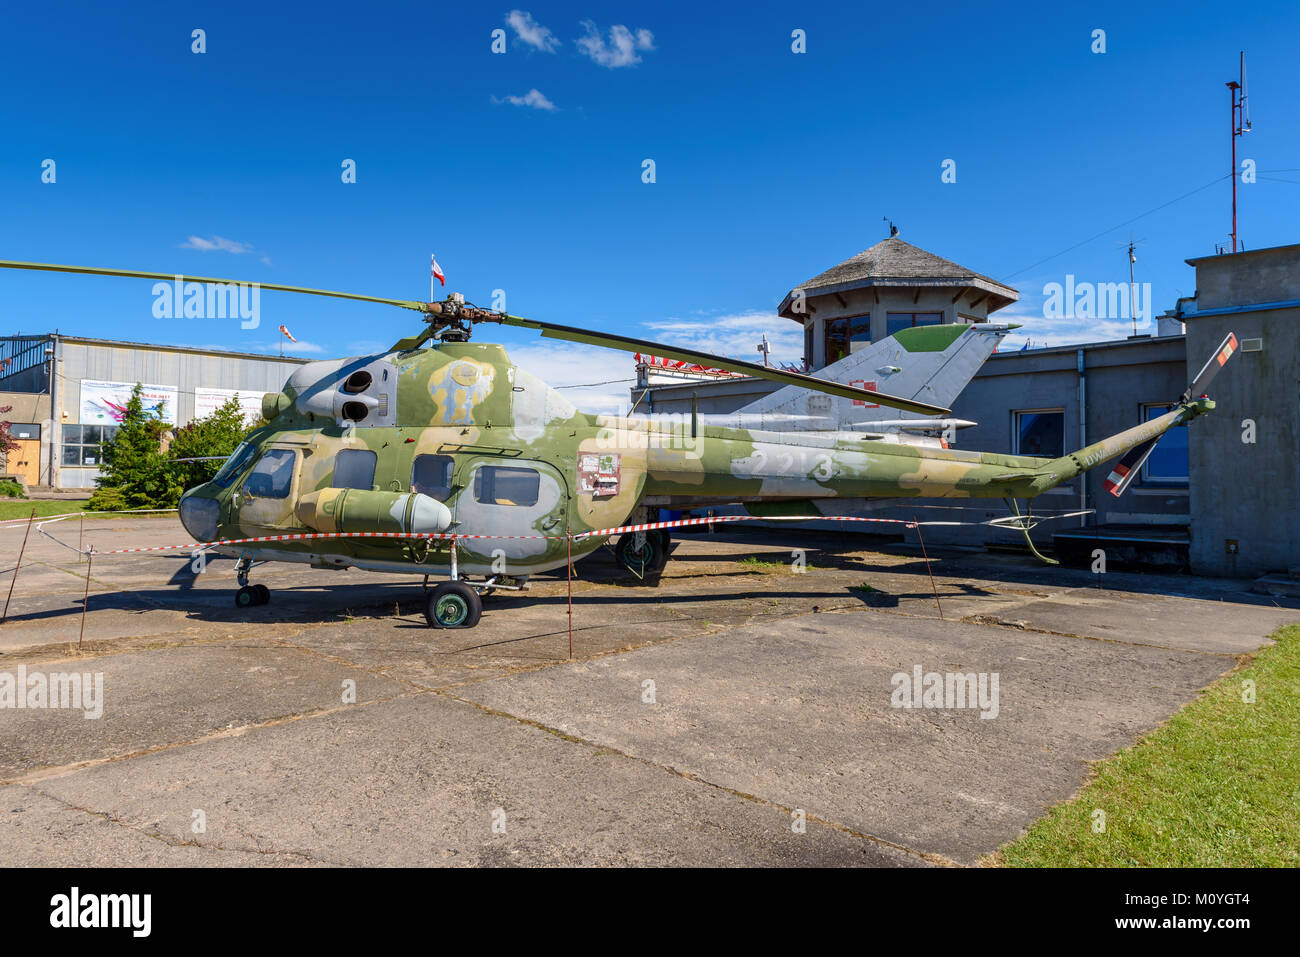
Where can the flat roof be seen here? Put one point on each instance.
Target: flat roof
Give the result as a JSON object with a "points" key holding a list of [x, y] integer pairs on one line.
{"points": [[1294, 247], [157, 347]]}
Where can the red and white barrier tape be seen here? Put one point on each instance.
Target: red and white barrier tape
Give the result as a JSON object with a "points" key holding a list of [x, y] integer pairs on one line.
{"points": [[454, 536]]}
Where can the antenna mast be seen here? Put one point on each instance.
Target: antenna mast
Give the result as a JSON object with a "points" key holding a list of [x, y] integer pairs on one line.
{"points": [[1240, 117], [1132, 287]]}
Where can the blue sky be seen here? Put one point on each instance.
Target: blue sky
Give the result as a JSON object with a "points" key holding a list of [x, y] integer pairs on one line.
{"points": [[770, 165]]}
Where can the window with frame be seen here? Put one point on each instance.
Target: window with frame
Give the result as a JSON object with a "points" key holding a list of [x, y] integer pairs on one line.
{"points": [[1040, 432], [84, 444], [272, 477], [431, 475], [354, 468], [501, 485], [1169, 460], [896, 321], [841, 334], [234, 465]]}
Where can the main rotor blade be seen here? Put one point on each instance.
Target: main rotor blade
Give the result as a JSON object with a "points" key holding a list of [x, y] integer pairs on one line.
{"points": [[612, 341], [172, 277]]}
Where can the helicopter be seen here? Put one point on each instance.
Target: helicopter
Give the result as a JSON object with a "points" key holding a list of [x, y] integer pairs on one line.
{"points": [[439, 456]]}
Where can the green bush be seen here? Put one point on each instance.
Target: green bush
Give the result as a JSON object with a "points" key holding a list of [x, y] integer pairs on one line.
{"points": [[11, 489], [107, 500], [217, 434]]}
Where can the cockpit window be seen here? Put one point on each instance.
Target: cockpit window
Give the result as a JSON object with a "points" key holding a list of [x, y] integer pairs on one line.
{"points": [[272, 476], [237, 462], [354, 468], [496, 485], [431, 475]]}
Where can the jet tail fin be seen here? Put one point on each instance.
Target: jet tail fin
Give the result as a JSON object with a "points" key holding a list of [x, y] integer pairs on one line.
{"points": [[932, 364]]}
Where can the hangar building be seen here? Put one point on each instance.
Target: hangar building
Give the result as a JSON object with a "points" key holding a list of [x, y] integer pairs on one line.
{"points": [[65, 392]]}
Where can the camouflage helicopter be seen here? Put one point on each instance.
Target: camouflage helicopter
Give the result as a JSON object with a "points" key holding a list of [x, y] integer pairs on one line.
{"points": [[442, 436]]}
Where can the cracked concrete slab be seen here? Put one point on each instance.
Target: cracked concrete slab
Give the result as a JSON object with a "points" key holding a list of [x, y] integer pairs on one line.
{"points": [[171, 695], [364, 786], [772, 692], [799, 712]]}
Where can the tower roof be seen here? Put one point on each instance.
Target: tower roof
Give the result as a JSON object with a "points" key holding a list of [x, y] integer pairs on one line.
{"points": [[893, 262]]}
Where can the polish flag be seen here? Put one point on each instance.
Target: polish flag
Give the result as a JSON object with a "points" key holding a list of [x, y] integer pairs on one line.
{"points": [[436, 271], [284, 331]]}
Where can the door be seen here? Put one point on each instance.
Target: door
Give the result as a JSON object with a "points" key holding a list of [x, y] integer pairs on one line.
{"points": [[512, 497], [25, 461], [267, 495]]}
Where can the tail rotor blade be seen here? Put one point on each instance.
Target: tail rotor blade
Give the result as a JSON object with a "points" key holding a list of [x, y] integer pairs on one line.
{"points": [[1127, 468], [1212, 367]]}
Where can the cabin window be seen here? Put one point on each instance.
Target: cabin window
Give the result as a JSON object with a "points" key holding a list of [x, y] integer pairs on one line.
{"points": [[1168, 461], [431, 475], [354, 468], [272, 476], [237, 462], [497, 485], [1040, 432], [897, 321]]}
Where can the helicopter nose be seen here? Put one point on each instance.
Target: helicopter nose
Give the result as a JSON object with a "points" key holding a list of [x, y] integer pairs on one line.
{"points": [[199, 516]]}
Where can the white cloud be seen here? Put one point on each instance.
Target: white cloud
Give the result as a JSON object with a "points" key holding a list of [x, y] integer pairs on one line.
{"points": [[622, 49], [1040, 331], [563, 366], [533, 98], [218, 243], [736, 336], [529, 31], [273, 347]]}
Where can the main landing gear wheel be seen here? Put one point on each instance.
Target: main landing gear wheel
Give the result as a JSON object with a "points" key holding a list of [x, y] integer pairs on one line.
{"points": [[647, 556], [251, 595], [453, 605]]}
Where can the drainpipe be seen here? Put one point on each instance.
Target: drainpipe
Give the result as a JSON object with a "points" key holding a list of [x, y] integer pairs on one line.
{"points": [[1083, 433], [56, 415]]}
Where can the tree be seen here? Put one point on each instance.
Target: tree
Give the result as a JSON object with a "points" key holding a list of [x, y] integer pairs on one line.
{"points": [[7, 443], [136, 473], [216, 434]]}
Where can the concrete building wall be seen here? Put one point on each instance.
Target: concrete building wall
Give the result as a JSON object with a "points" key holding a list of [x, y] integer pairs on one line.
{"points": [[1246, 495]]}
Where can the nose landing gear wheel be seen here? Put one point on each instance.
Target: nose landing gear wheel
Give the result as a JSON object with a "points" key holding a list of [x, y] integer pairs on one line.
{"points": [[251, 595], [453, 605]]}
